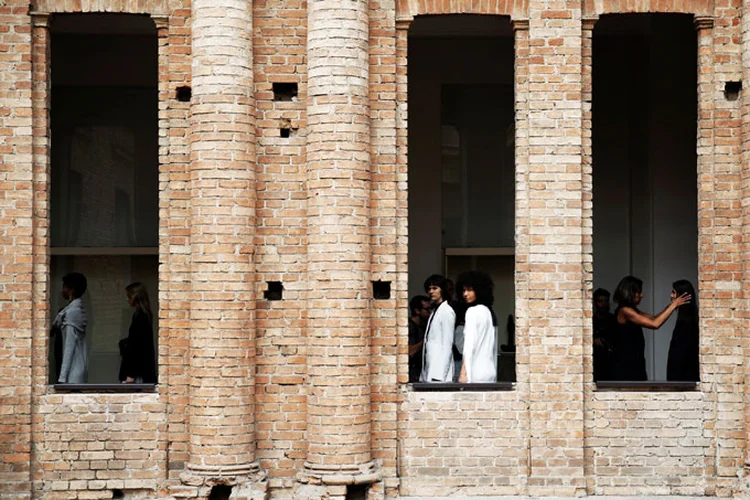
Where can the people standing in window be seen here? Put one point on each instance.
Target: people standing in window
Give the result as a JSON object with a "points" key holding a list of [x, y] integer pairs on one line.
{"points": [[480, 333], [70, 322], [419, 307], [629, 362], [682, 362], [437, 351], [604, 331], [138, 360]]}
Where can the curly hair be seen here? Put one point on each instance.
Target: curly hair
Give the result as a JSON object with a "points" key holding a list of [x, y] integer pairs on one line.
{"points": [[482, 285]]}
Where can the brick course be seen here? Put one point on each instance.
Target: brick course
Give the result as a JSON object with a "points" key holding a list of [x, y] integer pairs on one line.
{"points": [[313, 386]]}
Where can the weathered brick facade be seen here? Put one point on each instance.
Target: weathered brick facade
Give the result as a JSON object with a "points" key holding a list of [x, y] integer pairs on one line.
{"points": [[308, 396]]}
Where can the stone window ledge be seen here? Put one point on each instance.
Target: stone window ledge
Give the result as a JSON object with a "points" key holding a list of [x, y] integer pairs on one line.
{"points": [[99, 388], [456, 387], [646, 385]]}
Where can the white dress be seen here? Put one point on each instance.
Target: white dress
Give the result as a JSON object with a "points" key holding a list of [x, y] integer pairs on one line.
{"points": [[480, 345]]}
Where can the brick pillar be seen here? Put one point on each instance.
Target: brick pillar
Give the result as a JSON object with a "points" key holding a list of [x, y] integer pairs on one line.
{"points": [[717, 287], [587, 228], [745, 189], [555, 253], [40, 65], [16, 263], [222, 199], [338, 156]]}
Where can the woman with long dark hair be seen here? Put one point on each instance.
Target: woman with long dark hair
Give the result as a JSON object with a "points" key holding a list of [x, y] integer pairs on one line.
{"points": [[629, 362], [682, 362], [480, 335], [138, 358]]}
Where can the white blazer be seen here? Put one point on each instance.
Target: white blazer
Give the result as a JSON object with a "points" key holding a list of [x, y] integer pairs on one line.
{"points": [[437, 351], [480, 345]]}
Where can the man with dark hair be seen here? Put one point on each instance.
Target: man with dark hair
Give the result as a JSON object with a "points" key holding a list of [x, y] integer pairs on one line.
{"points": [[70, 325], [437, 351], [419, 311], [604, 330]]}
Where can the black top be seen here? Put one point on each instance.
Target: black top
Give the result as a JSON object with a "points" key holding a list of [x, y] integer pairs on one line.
{"points": [[682, 363], [628, 360], [416, 335], [138, 358], [605, 327]]}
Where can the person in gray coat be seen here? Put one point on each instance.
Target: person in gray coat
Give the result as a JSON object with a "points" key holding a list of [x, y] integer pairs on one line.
{"points": [[71, 322]]}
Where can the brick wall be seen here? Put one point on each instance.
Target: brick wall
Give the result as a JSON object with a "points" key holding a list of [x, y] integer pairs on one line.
{"points": [[16, 205], [553, 434]]}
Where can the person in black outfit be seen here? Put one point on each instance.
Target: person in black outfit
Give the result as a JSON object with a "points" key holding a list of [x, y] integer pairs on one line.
{"points": [[682, 362], [420, 309], [629, 362], [604, 331], [138, 356]]}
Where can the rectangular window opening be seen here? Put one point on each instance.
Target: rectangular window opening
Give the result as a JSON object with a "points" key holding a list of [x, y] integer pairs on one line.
{"points": [[104, 197], [462, 179], [645, 215]]}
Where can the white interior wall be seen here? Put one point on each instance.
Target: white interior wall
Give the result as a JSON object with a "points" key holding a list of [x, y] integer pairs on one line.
{"points": [[434, 63]]}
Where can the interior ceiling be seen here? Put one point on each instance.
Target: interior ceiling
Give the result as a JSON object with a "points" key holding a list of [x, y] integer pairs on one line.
{"points": [[461, 25], [102, 24]]}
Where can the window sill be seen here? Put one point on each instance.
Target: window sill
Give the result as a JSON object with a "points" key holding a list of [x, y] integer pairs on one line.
{"points": [[457, 387], [98, 388], [646, 385]]}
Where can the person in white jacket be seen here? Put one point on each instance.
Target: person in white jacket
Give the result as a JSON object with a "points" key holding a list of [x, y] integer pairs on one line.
{"points": [[480, 329], [437, 350]]}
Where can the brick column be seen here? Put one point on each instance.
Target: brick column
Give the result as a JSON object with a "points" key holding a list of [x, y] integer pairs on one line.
{"points": [[555, 253], [338, 169], [16, 263], [745, 189], [222, 202], [716, 285], [587, 230], [40, 92]]}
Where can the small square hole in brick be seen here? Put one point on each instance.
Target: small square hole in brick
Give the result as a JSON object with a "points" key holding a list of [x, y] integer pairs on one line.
{"points": [[381, 290], [732, 90], [118, 493], [184, 93], [220, 492], [283, 91], [274, 291], [285, 132], [357, 491]]}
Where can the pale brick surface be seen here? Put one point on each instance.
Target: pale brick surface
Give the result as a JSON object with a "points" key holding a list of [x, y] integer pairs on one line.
{"points": [[324, 211], [338, 232]]}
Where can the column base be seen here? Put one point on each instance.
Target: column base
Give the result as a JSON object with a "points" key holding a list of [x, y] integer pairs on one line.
{"points": [[332, 482], [247, 481]]}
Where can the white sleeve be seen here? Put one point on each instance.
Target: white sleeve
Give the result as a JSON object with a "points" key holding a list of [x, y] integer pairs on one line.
{"points": [[470, 339]]}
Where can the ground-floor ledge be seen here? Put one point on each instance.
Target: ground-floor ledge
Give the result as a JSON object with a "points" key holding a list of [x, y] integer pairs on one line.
{"points": [[247, 481]]}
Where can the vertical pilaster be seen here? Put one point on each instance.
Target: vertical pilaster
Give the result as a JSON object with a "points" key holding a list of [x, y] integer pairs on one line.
{"points": [[587, 230], [222, 212], [40, 102], [522, 240], [555, 254], [338, 181], [714, 285], [745, 205]]}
